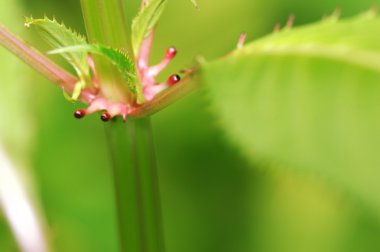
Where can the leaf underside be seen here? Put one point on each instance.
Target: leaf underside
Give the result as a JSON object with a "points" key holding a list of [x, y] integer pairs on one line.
{"points": [[307, 98]]}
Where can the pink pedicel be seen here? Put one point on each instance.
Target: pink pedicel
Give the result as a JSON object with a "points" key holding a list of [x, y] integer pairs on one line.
{"points": [[110, 109], [91, 64], [151, 91], [149, 74], [153, 71]]}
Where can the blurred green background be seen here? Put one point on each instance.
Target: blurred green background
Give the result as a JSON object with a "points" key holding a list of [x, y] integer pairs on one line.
{"points": [[212, 199]]}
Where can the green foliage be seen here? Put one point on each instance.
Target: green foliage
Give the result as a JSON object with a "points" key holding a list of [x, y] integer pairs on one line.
{"points": [[58, 35], [211, 202], [144, 23], [118, 58], [307, 98], [146, 20]]}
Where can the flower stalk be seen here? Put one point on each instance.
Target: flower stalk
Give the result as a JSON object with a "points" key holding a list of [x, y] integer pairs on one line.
{"points": [[130, 144], [136, 185]]}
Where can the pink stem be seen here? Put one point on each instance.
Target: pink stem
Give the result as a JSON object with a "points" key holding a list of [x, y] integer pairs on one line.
{"points": [[42, 64], [169, 55], [145, 49], [164, 99]]}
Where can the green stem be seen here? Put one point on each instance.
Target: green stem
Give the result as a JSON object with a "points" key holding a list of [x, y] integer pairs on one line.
{"points": [[105, 23], [136, 185], [130, 143]]}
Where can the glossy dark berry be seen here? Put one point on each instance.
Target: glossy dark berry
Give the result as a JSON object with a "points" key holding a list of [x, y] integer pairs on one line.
{"points": [[105, 117], [80, 113], [171, 52], [174, 79]]}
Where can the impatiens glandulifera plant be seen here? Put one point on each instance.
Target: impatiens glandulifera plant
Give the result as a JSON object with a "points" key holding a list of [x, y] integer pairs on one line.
{"points": [[115, 78], [305, 98]]}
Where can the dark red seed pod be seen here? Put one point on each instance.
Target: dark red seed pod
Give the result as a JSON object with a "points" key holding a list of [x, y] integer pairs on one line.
{"points": [[174, 79], [105, 117], [80, 113], [171, 53]]}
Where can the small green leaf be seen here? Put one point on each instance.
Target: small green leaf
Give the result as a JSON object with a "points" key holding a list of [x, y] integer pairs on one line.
{"points": [[58, 35], [307, 98], [145, 21], [79, 86], [118, 58]]}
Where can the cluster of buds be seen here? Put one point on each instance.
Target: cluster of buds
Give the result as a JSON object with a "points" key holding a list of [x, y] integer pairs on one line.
{"points": [[148, 79], [136, 95], [146, 76]]}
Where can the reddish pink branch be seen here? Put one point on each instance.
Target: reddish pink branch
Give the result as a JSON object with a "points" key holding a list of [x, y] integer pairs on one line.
{"points": [[41, 63], [164, 99]]}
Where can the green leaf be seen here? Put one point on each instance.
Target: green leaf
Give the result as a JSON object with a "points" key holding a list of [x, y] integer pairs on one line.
{"points": [[118, 58], [144, 23], [58, 35], [307, 98], [79, 86]]}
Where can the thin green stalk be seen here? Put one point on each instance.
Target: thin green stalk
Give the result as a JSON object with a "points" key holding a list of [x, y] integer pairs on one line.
{"points": [[105, 23], [136, 184], [130, 143]]}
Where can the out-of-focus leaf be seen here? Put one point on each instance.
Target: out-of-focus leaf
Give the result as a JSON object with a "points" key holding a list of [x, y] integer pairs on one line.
{"points": [[145, 21], [242, 209], [17, 130], [307, 98]]}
